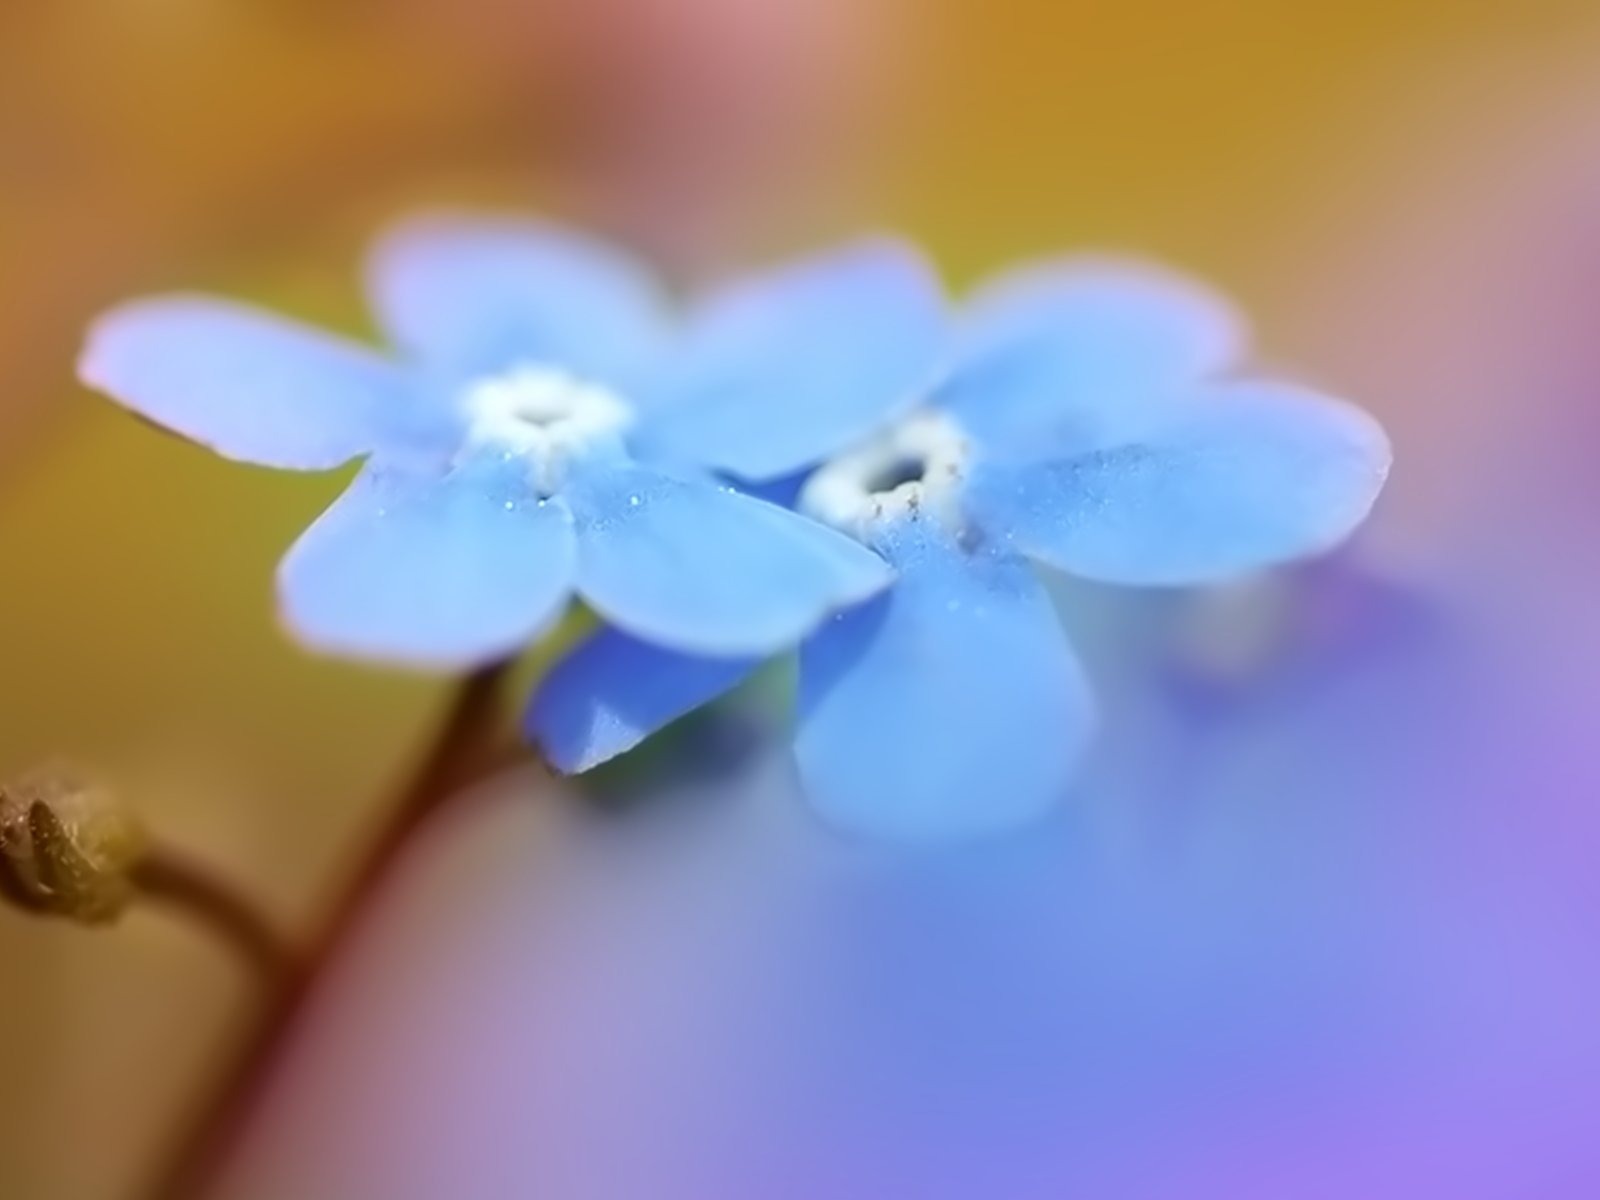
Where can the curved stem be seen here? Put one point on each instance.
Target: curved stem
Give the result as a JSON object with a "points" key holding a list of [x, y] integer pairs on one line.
{"points": [[467, 747], [167, 876]]}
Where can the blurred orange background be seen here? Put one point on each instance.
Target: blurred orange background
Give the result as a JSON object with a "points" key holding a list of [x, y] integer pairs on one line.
{"points": [[1347, 170]]}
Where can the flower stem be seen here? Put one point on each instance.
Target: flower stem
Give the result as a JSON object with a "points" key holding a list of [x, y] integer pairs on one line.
{"points": [[166, 876], [468, 746]]}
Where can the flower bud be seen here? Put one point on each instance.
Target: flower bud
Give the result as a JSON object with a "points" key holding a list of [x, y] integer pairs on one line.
{"points": [[67, 846]]}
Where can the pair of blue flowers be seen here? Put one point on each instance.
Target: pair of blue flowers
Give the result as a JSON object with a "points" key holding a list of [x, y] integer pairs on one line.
{"points": [[545, 429]]}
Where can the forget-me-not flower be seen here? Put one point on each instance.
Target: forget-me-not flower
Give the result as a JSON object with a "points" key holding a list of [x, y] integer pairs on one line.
{"points": [[1090, 416], [500, 474]]}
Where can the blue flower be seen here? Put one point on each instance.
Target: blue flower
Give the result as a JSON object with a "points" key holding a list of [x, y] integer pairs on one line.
{"points": [[500, 474], [1090, 416]]}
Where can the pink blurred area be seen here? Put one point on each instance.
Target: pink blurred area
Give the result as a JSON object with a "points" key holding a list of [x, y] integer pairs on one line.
{"points": [[681, 120], [1350, 955]]}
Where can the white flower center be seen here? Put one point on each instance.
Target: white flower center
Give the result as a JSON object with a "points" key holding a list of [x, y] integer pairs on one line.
{"points": [[916, 466], [543, 415]]}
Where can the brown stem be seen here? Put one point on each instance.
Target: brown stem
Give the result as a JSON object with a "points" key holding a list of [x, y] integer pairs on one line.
{"points": [[167, 876], [466, 748]]}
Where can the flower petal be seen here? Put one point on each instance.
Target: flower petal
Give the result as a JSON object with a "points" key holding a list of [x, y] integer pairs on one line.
{"points": [[614, 691], [948, 707], [1069, 349], [1239, 477], [695, 566], [430, 571], [475, 294], [784, 371], [251, 386]]}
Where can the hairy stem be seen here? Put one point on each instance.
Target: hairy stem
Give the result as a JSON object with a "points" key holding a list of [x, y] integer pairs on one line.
{"points": [[468, 746]]}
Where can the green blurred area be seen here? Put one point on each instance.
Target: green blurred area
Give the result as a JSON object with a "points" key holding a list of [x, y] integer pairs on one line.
{"points": [[249, 147]]}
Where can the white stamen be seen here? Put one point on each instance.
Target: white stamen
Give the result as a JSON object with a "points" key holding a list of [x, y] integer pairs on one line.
{"points": [[916, 466], [545, 416]]}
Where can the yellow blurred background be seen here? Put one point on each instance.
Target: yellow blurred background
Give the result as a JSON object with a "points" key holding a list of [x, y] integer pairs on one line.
{"points": [[1295, 153]]}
